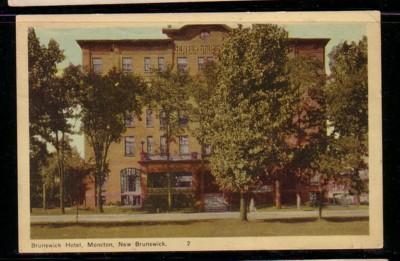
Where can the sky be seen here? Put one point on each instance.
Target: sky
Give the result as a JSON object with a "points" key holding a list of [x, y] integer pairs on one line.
{"points": [[66, 37]]}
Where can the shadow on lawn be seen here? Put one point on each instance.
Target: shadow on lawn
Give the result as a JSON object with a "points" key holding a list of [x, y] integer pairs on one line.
{"points": [[117, 224], [306, 220]]}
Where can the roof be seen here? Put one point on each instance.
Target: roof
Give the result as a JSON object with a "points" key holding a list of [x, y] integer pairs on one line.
{"points": [[322, 41], [188, 31], [131, 42]]}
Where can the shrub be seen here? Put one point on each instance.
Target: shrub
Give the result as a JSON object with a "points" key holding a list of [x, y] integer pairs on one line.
{"points": [[183, 200], [154, 202]]}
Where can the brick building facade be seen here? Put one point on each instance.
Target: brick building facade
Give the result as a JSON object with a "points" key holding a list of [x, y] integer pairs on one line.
{"points": [[137, 165]]}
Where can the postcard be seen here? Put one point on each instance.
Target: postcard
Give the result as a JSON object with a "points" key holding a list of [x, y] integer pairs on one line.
{"points": [[199, 132]]}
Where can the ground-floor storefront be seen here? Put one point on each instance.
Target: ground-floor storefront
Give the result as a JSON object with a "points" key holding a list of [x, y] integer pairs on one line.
{"points": [[158, 184]]}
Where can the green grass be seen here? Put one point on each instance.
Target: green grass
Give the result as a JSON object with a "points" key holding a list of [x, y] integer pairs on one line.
{"points": [[207, 228], [72, 211], [307, 208], [121, 210]]}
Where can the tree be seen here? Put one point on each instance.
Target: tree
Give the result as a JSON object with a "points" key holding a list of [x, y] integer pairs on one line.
{"points": [[202, 91], [104, 101], [50, 99], [169, 92], [76, 174], [250, 108], [346, 94], [308, 140]]}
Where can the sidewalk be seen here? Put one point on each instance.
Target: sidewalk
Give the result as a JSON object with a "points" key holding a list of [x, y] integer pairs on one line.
{"points": [[261, 215]]}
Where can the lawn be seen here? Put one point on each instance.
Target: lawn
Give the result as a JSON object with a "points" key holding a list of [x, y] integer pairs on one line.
{"points": [[124, 210], [307, 208], [206, 228], [72, 211]]}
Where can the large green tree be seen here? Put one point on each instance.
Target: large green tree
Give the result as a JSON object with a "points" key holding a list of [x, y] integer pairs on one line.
{"points": [[168, 92], [347, 112], [51, 102], [104, 102], [202, 91], [308, 121], [250, 108]]}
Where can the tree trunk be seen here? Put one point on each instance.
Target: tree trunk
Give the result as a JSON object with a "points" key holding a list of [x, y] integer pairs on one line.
{"points": [[357, 199], [60, 172], [298, 200], [95, 190], [202, 185], [169, 191], [99, 197], [243, 207], [278, 194], [62, 188], [320, 204], [44, 197]]}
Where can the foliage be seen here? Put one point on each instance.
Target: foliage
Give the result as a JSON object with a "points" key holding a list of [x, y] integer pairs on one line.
{"points": [[156, 202], [76, 173], [307, 123], [347, 111], [169, 93], [249, 107], [202, 91], [159, 202], [51, 101], [104, 101]]}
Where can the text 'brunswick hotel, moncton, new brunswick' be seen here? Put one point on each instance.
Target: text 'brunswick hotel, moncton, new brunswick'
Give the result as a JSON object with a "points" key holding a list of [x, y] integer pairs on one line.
{"points": [[137, 164]]}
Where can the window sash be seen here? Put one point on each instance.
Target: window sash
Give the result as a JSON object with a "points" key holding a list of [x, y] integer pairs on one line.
{"points": [[130, 146], [184, 145], [149, 118], [163, 145], [147, 64], [149, 145], [200, 63], [129, 120], [127, 64], [161, 63], [163, 117], [97, 65], [182, 64]]}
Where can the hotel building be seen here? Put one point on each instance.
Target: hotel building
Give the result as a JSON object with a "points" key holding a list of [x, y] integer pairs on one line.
{"points": [[137, 164]]}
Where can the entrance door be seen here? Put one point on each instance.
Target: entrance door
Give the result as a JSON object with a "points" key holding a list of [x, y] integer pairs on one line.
{"points": [[131, 187]]}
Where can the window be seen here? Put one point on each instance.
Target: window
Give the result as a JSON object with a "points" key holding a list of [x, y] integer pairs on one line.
{"points": [[182, 180], [184, 145], [157, 180], [200, 63], [204, 35], [149, 118], [163, 145], [129, 120], [97, 65], [163, 118], [210, 59], [130, 180], [129, 146], [130, 183], [147, 65], [207, 149], [161, 64], [149, 145], [178, 180], [182, 64], [183, 118], [127, 64]]}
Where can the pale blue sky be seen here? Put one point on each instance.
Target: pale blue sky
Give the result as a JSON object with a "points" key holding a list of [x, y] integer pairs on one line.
{"points": [[66, 37]]}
